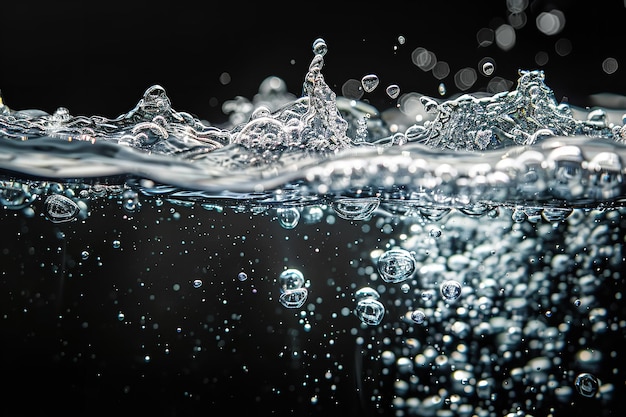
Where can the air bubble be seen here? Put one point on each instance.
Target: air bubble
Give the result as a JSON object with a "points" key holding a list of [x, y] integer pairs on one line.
{"points": [[418, 316], [288, 217], [587, 384], [290, 279], [370, 311], [294, 298], [396, 265], [60, 208], [450, 290]]}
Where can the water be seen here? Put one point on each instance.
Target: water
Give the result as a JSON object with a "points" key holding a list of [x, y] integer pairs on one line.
{"points": [[437, 258]]}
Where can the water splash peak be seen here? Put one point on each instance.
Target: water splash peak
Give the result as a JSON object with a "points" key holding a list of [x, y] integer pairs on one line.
{"points": [[472, 152]]}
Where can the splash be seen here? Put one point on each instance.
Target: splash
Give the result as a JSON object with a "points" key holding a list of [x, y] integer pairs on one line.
{"points": [[470, 152], [481, 306]]}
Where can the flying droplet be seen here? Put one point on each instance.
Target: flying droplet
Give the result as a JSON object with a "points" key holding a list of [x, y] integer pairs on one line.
{"points": [[442, 89], [393, 91], [488, 68], [370, 82], [320, 47]]}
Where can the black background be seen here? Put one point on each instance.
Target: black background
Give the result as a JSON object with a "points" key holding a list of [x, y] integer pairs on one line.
{"points": [[97, 58]]}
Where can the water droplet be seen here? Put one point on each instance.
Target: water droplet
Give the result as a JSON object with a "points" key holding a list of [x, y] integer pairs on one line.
{"points": [[393, 91], [396, 265], [370, 82], [450, 290], [320, 47], [488, 68]]}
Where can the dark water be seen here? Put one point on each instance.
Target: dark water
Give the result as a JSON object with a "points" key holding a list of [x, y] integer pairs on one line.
{"points": [[316, 255]]}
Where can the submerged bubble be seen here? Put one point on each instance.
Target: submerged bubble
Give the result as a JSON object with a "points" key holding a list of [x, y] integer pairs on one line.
{"points": [[418, 316], [15, 195], [355, 208], [366, 292], [290, 279], [587, 384], [605, 177], [197, 283], [60, 208], [450, 290], [288, 217], [369, 311], [294, 298], [242, 276], [396, 265]]}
